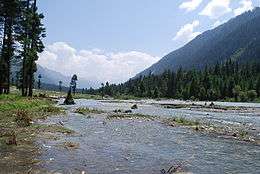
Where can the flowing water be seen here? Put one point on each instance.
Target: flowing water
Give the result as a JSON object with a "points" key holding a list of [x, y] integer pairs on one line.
{"points": [[141, 146]]}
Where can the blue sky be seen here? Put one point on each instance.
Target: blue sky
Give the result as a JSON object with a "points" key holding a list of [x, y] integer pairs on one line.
{"points": [[132, 28]]}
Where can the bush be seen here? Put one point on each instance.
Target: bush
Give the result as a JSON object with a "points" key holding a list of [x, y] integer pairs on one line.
{"points": [[23, 119], [51, 109], [251, 95], [243, 96]]}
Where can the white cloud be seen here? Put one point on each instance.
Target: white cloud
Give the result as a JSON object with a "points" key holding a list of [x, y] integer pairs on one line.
{"points": [[190, 5], [218, 23], [186, 33], [245, 5], [216, 8], [94, 64]]}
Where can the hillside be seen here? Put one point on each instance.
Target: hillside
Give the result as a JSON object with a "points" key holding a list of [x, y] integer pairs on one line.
{"points": [[52, 78], [238, 39]]}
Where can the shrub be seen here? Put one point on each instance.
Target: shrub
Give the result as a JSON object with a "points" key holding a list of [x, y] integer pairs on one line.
{"points": [[252, 95], [22, 118]]}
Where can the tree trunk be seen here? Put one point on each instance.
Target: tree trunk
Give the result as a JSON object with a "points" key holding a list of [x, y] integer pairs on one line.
{"points": [[33, 45], [6, 56], [9, 53], [30, 86], [25, 71], [2, 60]]}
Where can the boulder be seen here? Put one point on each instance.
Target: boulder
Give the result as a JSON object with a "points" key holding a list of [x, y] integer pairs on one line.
{"points": [[134, 106]]}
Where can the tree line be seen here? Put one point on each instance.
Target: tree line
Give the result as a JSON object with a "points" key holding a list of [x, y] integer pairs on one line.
{"points": [[229, 80], [21, 33]]}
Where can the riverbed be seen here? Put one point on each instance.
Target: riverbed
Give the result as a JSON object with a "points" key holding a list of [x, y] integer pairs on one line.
{"points": [[148, 146]]}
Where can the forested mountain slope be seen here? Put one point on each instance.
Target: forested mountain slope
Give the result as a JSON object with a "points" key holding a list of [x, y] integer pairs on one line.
{"points": [[238, 39]]}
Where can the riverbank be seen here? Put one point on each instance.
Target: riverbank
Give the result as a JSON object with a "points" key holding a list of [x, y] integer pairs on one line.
{"points": [[19, 129]]}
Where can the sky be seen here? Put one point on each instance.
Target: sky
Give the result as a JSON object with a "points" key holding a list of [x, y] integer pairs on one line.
{"points": [[113, 40]]}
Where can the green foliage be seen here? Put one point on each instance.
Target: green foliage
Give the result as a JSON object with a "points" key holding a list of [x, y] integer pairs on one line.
{"points": [[17, 115], [22, 41], [51, 109], [230, 80], [251, 95]]}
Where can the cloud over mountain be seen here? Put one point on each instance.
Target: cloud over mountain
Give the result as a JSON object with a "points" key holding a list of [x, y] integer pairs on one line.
{"points": [[95, 64], [216, 8], [245, 5], [187, 33]]}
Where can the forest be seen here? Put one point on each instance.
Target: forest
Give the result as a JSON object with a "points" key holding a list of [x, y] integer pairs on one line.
{"points": [[225, 81], [21, 32]]}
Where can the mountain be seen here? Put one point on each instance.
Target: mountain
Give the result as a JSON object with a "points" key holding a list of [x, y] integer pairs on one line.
{"points": [[51, 77], [238, 39]]}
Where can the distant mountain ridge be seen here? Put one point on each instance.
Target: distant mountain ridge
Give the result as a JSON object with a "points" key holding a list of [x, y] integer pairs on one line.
{"points": [[238, 39], [52, 78]]}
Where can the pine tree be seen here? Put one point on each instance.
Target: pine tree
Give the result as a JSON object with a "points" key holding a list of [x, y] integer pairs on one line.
{"points": [[9, 12], [36, 34], [30, 38]]}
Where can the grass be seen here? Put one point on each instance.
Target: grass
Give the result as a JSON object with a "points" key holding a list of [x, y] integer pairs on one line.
{"points": [[130, 116], [14, 102], [51, 109], [17, 117], [180, 121], [87, 96], [85, 111]]}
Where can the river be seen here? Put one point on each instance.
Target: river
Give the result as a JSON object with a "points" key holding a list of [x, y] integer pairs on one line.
{"points": [[144, 146]]}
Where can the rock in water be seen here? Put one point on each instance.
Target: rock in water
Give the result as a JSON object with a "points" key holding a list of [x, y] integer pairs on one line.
{"points": [[69, 100], [134, 106]]}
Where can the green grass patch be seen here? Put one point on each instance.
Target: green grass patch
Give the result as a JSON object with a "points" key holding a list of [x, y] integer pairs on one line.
{"points": [[20, 103], [17, 115], [85, 111], [130, 116], [51, 109], [87, 96]]}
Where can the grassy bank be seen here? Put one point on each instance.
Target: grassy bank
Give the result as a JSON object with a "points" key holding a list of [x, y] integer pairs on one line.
{"points": [[18, 117]]}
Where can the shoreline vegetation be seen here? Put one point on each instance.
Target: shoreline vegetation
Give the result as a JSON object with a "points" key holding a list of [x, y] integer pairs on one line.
{"points": [[19, 117], [58, 95], [19, 129]]}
